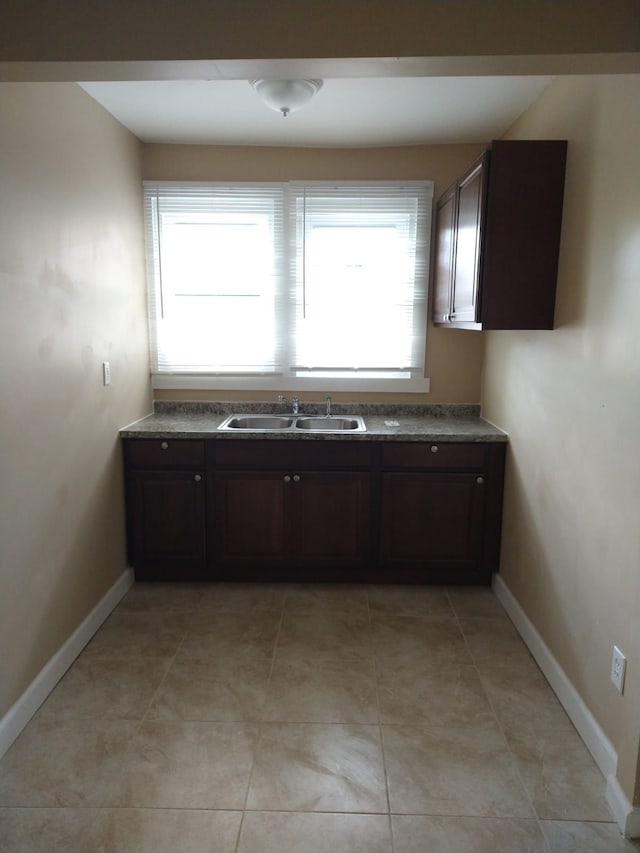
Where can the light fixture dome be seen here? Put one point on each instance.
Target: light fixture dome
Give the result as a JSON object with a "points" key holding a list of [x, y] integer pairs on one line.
{"points": [[286, 96]]}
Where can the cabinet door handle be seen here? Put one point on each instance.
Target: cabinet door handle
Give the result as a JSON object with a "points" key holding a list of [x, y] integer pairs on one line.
{"points": [[165, 445], [296, 478], [434, 448], [479, 480], [287, 478], [197, 478]]}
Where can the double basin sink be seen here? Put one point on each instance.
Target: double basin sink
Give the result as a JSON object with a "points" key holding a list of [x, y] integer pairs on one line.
{"points": [[293, 423]]}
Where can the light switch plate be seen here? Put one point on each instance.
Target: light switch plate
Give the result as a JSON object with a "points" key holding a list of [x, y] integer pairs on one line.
{"points": [[618, 668]]}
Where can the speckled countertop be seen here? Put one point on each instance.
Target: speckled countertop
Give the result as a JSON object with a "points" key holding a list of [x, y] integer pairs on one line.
{"points": [[383, 422]]}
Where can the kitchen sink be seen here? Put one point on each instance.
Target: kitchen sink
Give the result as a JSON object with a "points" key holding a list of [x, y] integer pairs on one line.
{"points": [[308, 423], [331, 424], [256, 422]]}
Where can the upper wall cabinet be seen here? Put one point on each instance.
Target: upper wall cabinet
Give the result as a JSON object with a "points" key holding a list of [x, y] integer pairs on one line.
{"points": [[498, 239]]}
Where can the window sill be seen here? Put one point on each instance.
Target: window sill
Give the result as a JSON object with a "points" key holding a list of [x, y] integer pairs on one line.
{"points": [[279, 383]]}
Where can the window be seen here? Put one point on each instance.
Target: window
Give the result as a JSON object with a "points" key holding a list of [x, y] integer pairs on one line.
{"points": [[288, 285]]}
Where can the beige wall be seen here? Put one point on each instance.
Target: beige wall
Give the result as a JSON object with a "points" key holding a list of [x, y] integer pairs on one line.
{"points": [[570, 400], [453, 361], [71, 296]]}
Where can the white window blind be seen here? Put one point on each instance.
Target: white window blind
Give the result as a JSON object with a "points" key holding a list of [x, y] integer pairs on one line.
{"points": [[299, 282], [215, 263], [361, 267]]}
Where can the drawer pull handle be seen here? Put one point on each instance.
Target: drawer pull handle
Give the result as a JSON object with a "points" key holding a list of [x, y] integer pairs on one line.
{"points": [[165, 445], [434, 448], [296, 478], [197, 478], [479, 480], [287, 478]]}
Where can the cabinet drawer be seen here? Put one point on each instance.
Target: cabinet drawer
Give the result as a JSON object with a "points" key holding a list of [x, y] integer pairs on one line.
{"points": [[299, 454], [462, 455], [162, 453]]}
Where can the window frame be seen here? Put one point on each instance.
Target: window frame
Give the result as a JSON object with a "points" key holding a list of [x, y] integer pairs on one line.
{"points": [[289, 380]]}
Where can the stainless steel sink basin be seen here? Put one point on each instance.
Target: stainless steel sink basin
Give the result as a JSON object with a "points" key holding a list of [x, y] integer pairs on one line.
{"points": [[255, 423], [292, 423], [331, 424]]}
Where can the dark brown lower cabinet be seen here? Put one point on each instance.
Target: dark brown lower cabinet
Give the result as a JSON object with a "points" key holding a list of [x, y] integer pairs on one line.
{"points": [[165, 483], [432, 524], [440, 511], [295, 522], [167, 524], [384, 512], [330, 518], [249, 522]]}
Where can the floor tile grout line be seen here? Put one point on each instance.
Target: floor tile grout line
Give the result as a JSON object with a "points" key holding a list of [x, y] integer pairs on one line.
{"points": [[334, 723], [162, 681], [261, 723], [387, 788], [380, 735], [514, 761], [495, 716], [363, 812], [501, 727]]}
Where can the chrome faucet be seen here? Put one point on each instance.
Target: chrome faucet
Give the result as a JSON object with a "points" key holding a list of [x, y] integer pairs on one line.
{"points": [[295, 403], [328, 402]]}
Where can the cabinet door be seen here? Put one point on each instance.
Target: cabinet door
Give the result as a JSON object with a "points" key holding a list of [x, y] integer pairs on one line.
{"points": [[250, 516], [329, 515], [445, 256], [296, 518], [166, 518], [521, 240], [466, 277], [432, 522]]}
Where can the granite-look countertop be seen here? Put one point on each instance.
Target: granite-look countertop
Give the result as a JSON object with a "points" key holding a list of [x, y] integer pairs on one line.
{"points": [[383, 422]]}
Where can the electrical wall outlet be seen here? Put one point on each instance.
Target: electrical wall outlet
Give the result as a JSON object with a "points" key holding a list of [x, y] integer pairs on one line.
{"points": [[618, 668]]}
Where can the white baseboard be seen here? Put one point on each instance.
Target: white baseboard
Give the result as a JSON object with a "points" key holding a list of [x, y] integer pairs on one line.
{"points": [[598, 744], [595, 739], [627, 817], [21, 712]]}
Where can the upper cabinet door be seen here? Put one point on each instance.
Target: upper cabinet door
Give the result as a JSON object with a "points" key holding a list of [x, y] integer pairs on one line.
{"points": [[466, 275], [445, 255]]}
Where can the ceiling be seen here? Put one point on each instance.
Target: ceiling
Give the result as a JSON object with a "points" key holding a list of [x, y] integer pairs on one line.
{"points": [[347, 112]]}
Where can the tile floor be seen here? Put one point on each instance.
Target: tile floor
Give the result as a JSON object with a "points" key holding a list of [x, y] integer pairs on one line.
{"points": [[269, 719]]}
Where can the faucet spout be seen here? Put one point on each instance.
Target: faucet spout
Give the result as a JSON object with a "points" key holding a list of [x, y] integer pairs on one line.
{"points": [[294, 401]]}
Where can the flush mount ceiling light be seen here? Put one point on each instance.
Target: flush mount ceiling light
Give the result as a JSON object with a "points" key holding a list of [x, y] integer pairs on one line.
{"points": [[286, 96]]}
